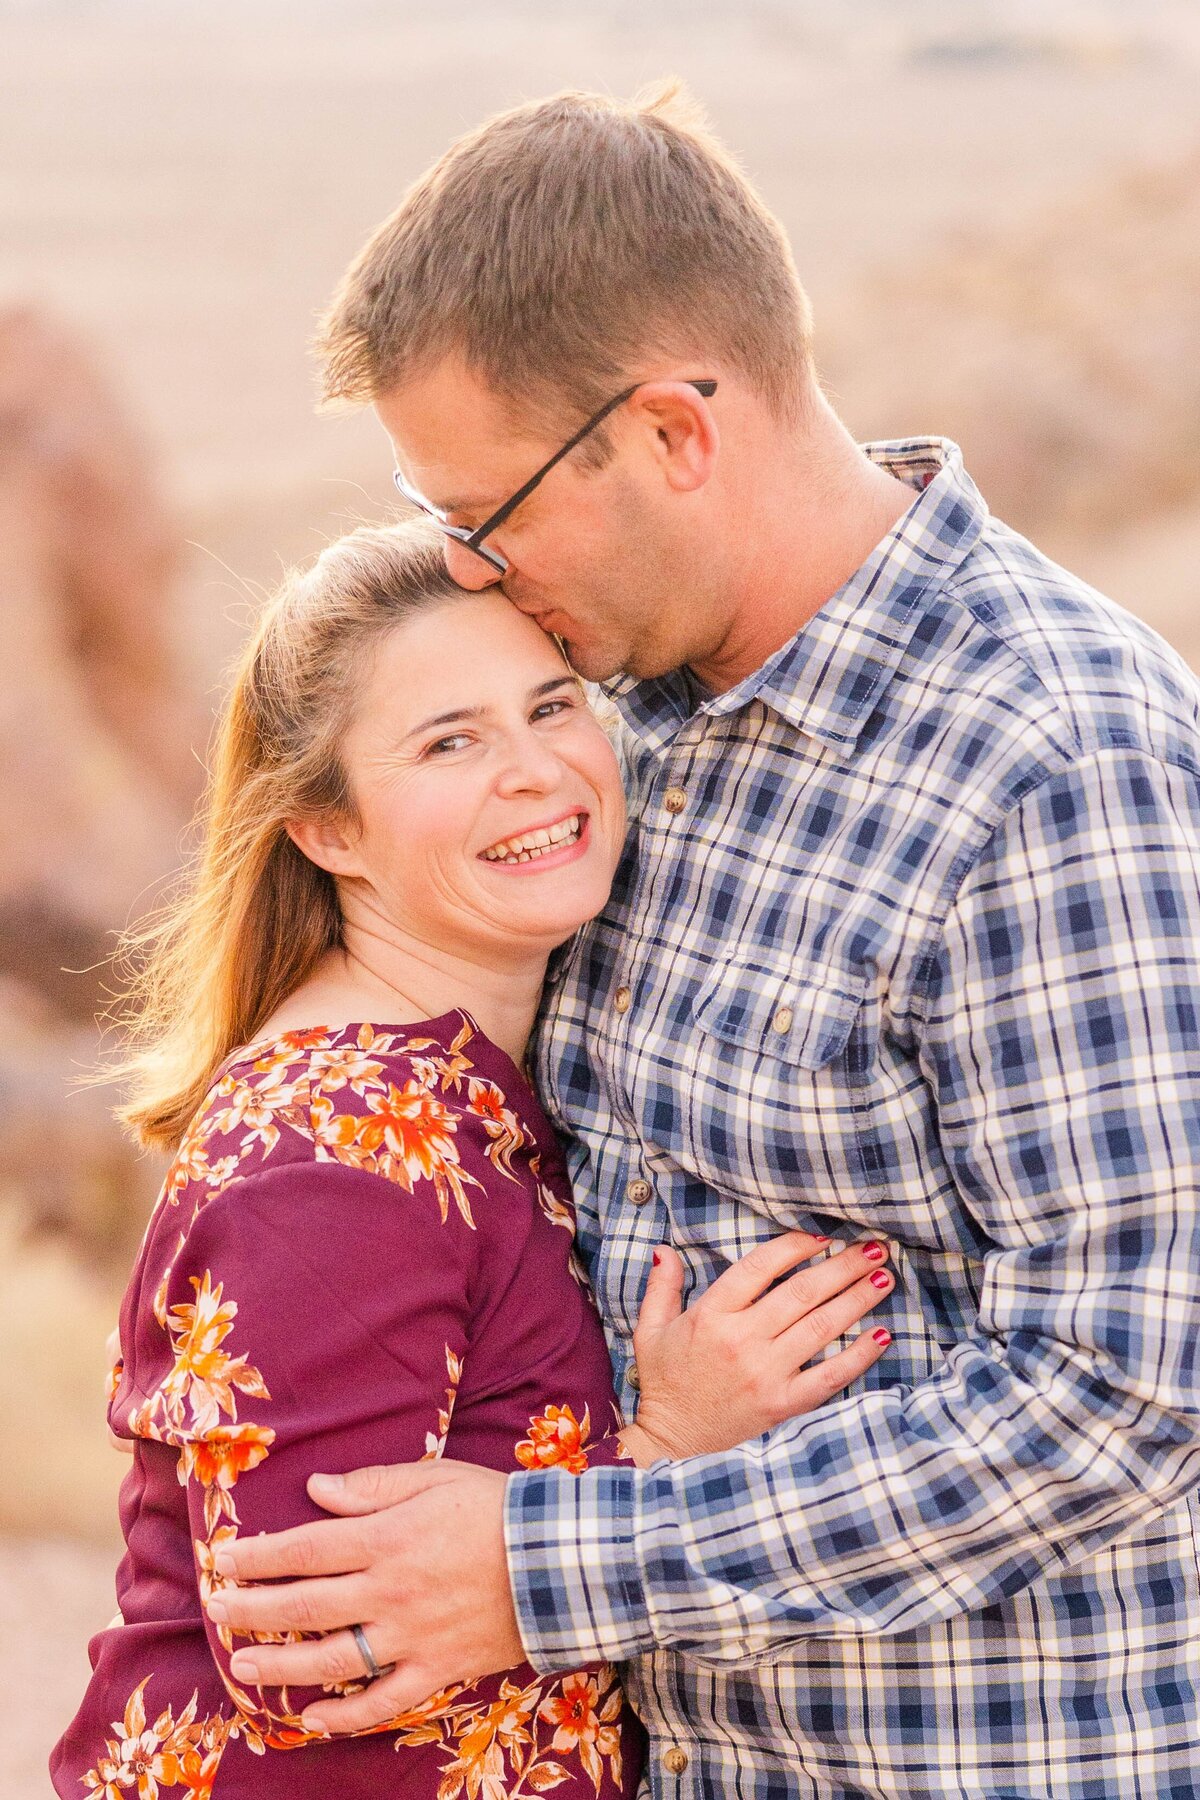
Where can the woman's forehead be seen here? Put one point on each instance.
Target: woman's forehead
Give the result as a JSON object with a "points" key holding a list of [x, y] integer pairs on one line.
{"points": [[471, 652]]}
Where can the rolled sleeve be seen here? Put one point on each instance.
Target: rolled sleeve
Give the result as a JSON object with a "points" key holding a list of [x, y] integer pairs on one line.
{"points": [[576, 1577]]}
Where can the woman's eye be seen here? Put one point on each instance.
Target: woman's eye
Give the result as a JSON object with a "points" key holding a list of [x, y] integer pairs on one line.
{"points": [[549, 708], [447, 745]]}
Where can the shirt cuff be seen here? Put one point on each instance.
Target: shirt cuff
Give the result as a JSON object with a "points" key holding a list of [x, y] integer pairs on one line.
{"points": [[572, 1562]]}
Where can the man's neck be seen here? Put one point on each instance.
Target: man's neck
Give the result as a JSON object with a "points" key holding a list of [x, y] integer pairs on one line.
{"points": [[816, 508]]}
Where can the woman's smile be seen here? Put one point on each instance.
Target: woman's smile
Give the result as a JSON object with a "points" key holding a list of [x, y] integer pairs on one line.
{"points": [[540, 847]]}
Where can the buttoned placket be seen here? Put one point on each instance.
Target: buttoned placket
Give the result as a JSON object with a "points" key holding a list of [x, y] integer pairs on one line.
{"points": [[667, 800]]}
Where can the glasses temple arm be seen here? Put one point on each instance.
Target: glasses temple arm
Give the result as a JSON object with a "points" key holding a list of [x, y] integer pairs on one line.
{"points": [[706, 387], [514, 500]]}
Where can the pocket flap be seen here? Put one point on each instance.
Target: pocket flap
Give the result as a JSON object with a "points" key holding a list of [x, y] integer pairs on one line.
{"points": [[796, 1014]]}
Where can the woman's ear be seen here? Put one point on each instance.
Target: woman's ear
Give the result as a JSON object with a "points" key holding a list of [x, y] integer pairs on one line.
{"points": [[329, 842]]}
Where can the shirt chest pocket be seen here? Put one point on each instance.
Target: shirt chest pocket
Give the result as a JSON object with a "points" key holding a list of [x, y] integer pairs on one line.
{"points": [[772, 1083]]}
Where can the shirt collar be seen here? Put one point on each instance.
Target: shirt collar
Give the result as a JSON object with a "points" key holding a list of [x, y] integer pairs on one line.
{"points": [[827, 678]]}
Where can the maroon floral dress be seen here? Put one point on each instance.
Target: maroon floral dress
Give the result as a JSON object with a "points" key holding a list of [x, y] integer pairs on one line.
{"points": [[362, 1254]]}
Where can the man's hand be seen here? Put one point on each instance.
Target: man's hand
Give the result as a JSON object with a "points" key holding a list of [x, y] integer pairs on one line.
{"points": [[416, 1558]]}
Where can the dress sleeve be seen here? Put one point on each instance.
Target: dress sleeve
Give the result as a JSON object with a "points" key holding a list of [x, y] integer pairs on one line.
{"points": [[1061, 1047], [317, 1317]]}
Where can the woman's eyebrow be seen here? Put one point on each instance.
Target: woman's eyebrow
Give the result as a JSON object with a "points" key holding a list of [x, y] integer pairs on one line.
{"points": [[476, 712], [449, 718], [566, 679]]}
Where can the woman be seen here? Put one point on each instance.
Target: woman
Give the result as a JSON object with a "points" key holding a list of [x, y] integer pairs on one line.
{"points": [[362, 1250]]}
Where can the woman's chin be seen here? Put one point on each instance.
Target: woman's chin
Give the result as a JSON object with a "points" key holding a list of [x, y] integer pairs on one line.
{"points": [[551, 918]]}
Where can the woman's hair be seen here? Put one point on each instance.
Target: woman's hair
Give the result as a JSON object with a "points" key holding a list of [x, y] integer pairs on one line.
{"points": [[254, 915]]}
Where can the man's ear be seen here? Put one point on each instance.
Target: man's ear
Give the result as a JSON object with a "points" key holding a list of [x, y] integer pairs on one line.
{"points": [[329, 842], [685, 437]]}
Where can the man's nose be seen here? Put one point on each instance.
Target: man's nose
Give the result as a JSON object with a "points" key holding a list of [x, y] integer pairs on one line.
{"points": [[467, 569]]}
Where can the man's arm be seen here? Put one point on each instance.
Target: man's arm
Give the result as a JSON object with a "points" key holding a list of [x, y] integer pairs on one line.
{"points": [[1061, 1044]]}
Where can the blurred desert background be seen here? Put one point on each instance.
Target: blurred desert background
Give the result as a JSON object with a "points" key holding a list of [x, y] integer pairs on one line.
{"points": [[996, 209]]}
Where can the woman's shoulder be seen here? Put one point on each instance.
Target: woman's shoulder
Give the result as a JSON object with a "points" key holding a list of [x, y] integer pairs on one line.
{"points": [[355, 1153], [432, 1108]]}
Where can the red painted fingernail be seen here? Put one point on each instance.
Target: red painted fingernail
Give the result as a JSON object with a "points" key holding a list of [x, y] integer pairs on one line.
{"points": [[657, 1258], [881, 1280], [881, 1336], [820, 1237], [874, 1252]]}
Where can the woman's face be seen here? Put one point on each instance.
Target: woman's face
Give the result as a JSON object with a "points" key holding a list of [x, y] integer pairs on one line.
{"points": [[489, 801]]}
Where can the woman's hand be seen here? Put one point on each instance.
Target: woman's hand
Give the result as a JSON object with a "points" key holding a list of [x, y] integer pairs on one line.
{"points": [[732, 1365]]}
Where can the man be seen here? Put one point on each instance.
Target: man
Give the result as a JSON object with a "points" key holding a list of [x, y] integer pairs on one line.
{"points": [[906, 939]]}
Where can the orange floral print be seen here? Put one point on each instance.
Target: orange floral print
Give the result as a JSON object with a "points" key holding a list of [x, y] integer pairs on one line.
{"points": [[488, 1743], [203, 1379], [191, 1160], [500, 1750], [488, 1103], [291, 1048], [344, 1066], [407, 1137], [586, 1725], [556, 1440], [187, 1406], [414, 1134], [142, 1757], [446, 1071], [206, 1551], [435, 1443], [554, 1209], [217, 1459]]}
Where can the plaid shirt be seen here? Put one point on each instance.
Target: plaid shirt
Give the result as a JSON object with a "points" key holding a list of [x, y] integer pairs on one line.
{"points": [[906, 941]]}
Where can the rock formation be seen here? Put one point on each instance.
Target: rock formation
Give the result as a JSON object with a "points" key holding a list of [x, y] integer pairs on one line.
{"points": [[96, 745], [1064, 357]]}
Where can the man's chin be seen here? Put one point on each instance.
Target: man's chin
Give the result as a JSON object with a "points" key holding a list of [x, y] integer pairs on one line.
{"points": [[589, 662]]}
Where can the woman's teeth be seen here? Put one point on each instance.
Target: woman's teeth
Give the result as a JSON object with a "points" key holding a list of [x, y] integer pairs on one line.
{"points": [[535, 843]]}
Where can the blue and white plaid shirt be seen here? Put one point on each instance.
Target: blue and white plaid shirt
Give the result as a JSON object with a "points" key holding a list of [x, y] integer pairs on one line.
{"points": [[906, 941]]}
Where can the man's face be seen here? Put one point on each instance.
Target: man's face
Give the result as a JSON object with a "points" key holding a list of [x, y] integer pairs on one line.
{"points": [[601, 558]]}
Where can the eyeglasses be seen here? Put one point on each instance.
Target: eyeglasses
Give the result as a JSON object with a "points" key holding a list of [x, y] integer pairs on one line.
{"points": [[473, 540]]}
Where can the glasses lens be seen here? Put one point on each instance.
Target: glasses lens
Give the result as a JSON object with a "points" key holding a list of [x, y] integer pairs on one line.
{"points": [[417, 500], [459, 533]]}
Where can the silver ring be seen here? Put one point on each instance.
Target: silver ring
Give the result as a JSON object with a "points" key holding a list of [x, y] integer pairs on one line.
{"points": [[368, 1655]]}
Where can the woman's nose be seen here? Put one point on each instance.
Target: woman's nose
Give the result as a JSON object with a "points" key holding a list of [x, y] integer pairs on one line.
{"points": [[530, 767], [467, 569]]}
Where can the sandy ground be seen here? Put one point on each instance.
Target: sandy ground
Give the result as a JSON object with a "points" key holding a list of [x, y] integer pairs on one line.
{"points": [[54, 1593], [186, 185]]}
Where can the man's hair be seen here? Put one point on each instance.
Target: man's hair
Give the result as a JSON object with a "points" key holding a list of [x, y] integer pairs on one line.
{"points": [[564, 246]]}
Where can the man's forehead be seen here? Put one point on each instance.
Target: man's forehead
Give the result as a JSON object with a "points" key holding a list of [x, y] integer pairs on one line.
{"points": [[455, 439]]}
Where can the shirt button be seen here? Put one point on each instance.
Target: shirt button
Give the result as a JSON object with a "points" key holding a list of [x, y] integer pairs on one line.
{"points": [[633, 1378], [675, 799], [621, 999], [675, 1760], [782, 1021], [638, 1192]]}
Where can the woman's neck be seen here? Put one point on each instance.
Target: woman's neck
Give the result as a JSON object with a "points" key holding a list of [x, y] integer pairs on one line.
{"points": [[377, 977]]}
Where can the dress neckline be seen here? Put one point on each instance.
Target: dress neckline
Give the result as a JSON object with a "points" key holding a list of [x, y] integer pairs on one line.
{"points": [[444, 1026]]}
